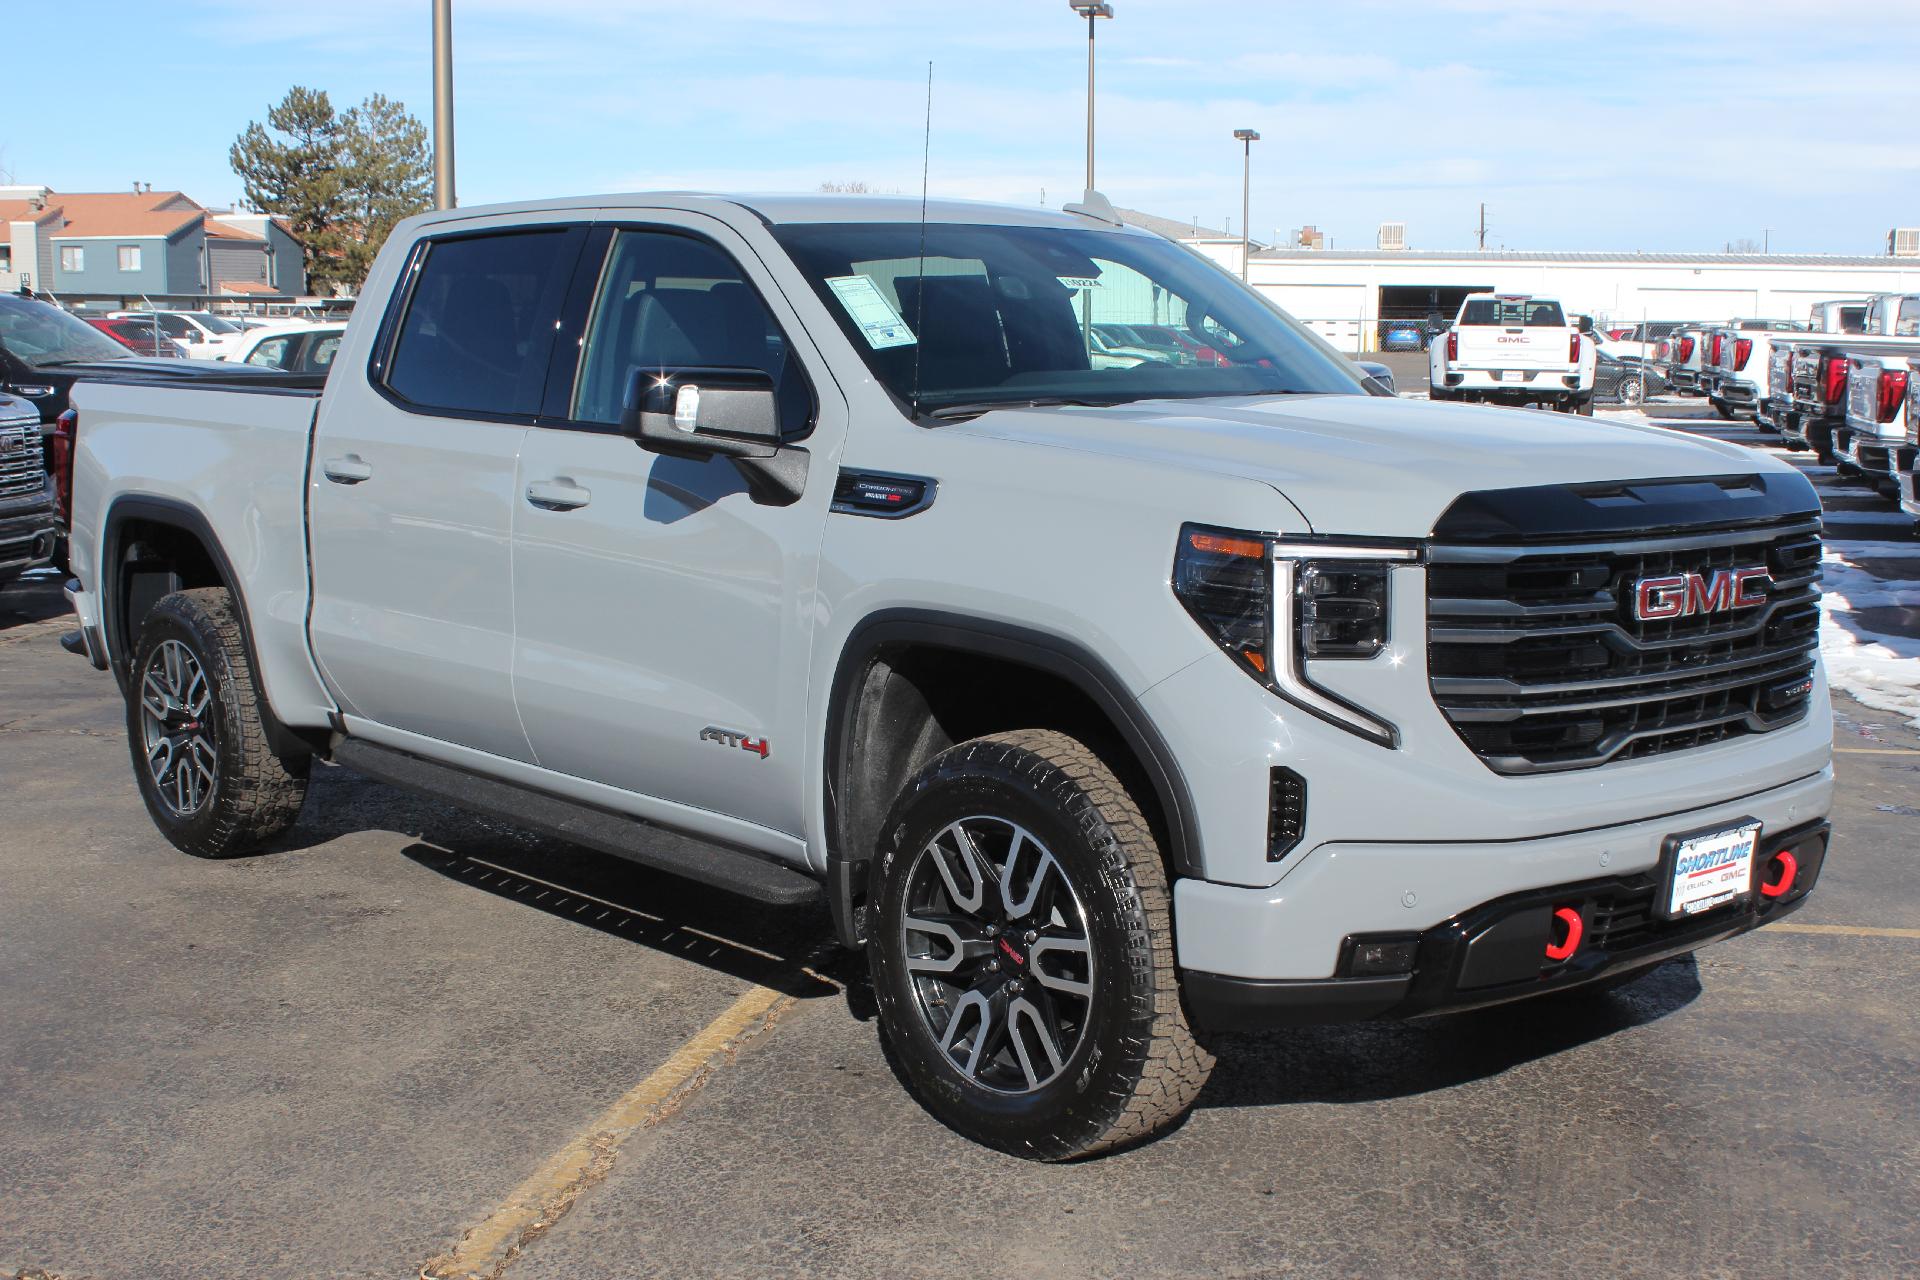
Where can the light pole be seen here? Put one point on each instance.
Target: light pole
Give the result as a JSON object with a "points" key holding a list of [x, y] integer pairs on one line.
{"points": [[1090, 10], [443, 104], [1247, 138]]}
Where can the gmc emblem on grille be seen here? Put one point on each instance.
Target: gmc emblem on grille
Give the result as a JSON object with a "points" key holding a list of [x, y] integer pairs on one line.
{"points": [[12, 444], [1681, 595]]}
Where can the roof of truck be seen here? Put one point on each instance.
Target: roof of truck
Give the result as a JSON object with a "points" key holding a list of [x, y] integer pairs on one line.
{"points": [[776, 208]]}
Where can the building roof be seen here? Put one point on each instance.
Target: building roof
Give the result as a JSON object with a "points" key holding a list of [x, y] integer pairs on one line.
{"points": [[23, 211], [117, 213], [227, 231], [1173, 229], [1530, 255]]}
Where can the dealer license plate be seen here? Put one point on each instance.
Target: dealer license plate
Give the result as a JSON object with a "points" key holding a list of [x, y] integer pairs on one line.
{"points": [[1710, 870], [1513, 375]]}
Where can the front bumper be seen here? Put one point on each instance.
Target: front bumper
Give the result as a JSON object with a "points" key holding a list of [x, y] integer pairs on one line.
{"points": [[1497, 952], [26, 536]]}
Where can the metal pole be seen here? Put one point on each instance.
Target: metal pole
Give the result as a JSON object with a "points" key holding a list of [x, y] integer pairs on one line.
{"points": [[1090, 20], [1246, 182], [443, 104]]}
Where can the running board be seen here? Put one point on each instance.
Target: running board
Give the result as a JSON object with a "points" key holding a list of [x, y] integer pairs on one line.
{"points": [[635, 839]]}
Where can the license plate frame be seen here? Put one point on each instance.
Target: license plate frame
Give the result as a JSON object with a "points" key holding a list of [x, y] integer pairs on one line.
{"points": [[1511, 375], [1708, 869]]}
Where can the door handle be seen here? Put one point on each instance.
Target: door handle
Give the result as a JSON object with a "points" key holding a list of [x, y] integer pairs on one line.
{"points": [[351, 469], [560, 494]]}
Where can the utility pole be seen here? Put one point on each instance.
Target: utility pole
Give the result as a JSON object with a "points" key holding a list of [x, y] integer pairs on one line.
{"points": [[1483, 226], [443, 104], [1247, 138]]}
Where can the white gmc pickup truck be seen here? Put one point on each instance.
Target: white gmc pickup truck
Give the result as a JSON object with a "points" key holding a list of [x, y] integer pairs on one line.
{"points": [[1514, 349], [800, 547]]}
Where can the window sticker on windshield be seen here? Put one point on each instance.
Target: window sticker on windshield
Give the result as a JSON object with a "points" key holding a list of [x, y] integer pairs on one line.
{"points": [[1079, 282], [870, 311]]}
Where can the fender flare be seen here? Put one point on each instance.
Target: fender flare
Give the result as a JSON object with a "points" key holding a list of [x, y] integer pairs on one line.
{"points": [[281, 739], [1053, 654]]}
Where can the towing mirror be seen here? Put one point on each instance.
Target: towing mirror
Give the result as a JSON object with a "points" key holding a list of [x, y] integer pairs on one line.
{"points": [[730, 413]]}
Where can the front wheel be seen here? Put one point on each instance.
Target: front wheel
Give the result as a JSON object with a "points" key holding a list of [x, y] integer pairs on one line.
{"points": [[211, 784], [1022, 951], [1633, 393]]}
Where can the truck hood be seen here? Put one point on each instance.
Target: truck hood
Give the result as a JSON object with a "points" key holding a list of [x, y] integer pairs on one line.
{"points": [[1372, 465]]}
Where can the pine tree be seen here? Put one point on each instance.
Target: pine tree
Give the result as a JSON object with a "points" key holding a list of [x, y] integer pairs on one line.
{"points": [[341, 182]]}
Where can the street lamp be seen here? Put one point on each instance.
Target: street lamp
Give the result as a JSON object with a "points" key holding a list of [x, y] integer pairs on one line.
{"points": [[1090, 9], [443, 104], [1247, 138]]}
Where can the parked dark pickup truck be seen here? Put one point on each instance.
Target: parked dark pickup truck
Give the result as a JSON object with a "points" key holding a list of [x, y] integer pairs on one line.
{"points": [[26, 509]]}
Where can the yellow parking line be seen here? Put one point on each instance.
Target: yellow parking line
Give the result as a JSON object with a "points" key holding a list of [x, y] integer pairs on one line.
{"points": [[1843, 930], [544, 1198]]}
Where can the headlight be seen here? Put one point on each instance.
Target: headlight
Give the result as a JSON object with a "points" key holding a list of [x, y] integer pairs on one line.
{"points": [[1275, 605]]}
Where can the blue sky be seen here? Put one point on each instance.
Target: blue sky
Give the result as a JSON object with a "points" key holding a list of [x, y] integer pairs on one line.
{"points": [[1599, 124]]}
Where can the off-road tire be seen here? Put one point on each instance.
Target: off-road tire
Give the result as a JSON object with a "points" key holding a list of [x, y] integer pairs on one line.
{"points": [[1137, 1067], [255, 794]]}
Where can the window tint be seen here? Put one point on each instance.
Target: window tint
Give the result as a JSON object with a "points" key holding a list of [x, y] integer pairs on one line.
{"points": [[480, 323], [669, 301], [272, 353], [1513, 313], [319, 353], [1909, 324]]}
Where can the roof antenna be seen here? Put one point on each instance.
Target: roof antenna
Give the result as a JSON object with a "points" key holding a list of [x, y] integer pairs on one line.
{"points": [[920, 291]]}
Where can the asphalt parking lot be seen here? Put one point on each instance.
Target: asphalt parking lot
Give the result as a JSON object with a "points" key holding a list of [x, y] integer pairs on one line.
{"points": [[411, 1040]]}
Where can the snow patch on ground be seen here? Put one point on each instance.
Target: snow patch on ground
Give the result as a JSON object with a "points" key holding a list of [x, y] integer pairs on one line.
{"points": [[1878, 670]]}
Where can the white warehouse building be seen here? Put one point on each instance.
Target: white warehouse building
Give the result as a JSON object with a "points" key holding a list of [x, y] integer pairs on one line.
{"points": [[1347, 295]]}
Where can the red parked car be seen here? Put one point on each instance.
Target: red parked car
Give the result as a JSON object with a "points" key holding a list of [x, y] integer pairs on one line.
{"points": [[137, 334]]}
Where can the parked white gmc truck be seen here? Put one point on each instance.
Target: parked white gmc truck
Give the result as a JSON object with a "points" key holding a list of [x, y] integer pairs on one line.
{"points": [[1517, 350], [798, 546]]}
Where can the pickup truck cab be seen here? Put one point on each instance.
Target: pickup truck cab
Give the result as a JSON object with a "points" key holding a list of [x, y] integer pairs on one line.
{"points": [[1894, 315], [1513, 349], [798, 546], [1840, 315]]}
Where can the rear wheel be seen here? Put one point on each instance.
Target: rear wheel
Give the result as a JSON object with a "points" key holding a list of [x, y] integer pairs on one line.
{"points": [[1022, 951], [211, 784], [1633, 392]]}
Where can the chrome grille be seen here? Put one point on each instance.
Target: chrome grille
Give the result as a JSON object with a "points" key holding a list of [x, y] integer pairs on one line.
{"points": [[22, 468], [1538, 661]]}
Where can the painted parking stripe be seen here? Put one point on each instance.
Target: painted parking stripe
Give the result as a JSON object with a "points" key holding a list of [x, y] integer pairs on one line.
{"points": [[1843, 930], [540, 1201]]}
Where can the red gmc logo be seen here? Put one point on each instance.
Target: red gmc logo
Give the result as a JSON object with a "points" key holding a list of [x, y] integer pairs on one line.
{"points": [[1682, 595]]}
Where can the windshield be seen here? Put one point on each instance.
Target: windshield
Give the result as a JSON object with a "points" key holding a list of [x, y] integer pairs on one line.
{"points": [[39, 333], [988, 315], [211, 322], [1514, 313]]}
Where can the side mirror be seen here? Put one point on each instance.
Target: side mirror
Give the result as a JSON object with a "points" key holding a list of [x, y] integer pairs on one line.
{"points": [[731, 413], [1586, 324]]}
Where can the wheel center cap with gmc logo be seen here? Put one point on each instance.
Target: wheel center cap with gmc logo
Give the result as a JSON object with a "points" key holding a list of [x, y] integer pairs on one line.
{"points": [[1683, 595]]}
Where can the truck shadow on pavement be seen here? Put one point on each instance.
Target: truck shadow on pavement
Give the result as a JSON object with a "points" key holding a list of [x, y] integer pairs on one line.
{"points": [[35, 597], [1375, 1061]]}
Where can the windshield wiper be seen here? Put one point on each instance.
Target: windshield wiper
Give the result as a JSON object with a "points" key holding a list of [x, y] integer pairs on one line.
{"points": [[974, 408]]}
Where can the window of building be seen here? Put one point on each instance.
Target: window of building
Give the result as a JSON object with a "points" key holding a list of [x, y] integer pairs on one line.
{"points": [[6, 257], [73, 258], [129, 257], [479, 326]]}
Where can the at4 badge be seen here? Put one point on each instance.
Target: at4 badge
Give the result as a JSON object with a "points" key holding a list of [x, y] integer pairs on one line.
{"points": [[734, 738]]}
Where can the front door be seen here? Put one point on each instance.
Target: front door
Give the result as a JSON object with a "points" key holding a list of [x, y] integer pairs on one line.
{"points": [[414, 490], [662, 616]]}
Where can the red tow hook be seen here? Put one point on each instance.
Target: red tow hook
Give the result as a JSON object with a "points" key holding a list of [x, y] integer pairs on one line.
{"points": [[1789, 868], [1571, 943]]}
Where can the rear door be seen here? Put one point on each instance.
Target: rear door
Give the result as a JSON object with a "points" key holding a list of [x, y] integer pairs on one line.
{"points": [[413, 489], [663, 616]]}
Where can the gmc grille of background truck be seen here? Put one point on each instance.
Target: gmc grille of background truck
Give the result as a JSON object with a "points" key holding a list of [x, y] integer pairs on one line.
{"points": [[22, 468], [1539, 661]]}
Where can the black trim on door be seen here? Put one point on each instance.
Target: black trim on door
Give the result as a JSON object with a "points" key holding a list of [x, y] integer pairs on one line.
{"points": [[379, 363]]}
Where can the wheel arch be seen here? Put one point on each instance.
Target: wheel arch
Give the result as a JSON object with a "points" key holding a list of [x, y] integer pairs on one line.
{"points": [[185, 553], [884, 719]]}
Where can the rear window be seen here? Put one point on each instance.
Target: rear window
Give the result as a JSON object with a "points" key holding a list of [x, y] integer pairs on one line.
{"points": [[1514, 313], [479, 326]]}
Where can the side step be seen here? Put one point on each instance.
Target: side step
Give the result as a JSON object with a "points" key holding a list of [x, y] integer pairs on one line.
{"points": [[747, 874]]}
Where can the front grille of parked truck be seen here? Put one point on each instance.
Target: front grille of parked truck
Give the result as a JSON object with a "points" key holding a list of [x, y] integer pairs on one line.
{"points": [[22, 469], [1540, 661]]}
